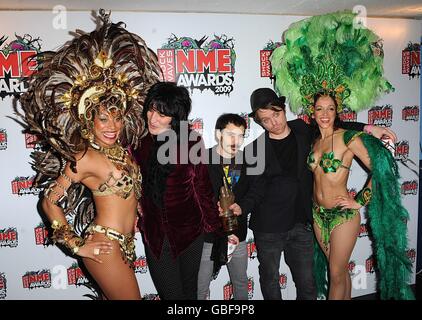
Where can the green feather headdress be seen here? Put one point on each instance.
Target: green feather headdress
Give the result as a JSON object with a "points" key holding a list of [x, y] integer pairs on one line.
{"points": [[331, 54]]}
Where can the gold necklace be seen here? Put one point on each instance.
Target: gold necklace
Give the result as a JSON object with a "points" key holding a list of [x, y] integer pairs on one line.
{"points": [[115, 153]]}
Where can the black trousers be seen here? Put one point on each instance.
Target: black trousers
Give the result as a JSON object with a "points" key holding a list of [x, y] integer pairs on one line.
{"points": [[176, 279]]}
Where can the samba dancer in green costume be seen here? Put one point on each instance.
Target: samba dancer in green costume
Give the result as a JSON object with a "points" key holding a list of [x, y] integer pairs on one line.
{"points": [[326, 64]]}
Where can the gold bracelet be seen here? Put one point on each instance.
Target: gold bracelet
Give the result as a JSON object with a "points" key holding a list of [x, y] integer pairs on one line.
{"points": [[63, 234]]}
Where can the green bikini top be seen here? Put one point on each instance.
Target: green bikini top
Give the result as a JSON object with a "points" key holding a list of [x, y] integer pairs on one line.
{"points": [[328, 162]]}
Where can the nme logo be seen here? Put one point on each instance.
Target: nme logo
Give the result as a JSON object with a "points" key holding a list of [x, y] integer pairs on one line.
{"points": [[409, 187], [23, 186], [352, 192], [370, 265], [348, 115], [401, 153], [37, 279], [140, 265], [75, 276], [363, 230], [17, 63], [3, 139], [31, 141], [351, 267], [381, 115], [251, 247], [411, 254], [282, 280], [410, 113], [245, 116], [3, 286], [305, 117], [198, 64], [9, 237], [197, 124], [411, 60], [228, 290]]}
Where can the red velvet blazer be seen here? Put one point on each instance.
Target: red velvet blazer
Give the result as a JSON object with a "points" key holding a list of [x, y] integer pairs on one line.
{"points": [[189, 206]]}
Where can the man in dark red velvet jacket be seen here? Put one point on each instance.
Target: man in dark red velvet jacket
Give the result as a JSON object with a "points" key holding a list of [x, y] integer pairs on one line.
{"points": [[177, 201]]}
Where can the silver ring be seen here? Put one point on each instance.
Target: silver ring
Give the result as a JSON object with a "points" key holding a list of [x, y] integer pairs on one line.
{"points": [[96, 251]]}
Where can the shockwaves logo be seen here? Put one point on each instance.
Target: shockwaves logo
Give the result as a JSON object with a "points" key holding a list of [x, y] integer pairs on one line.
{"points": [[228, 290], [282, 280], [264, 58], [348, 115], [251, 247], [409, 187], [381, 115], [245, 116], [197, 124], [410, 113], [411, 254], [23, 186], [3, 139], [37, 279], [351, 267], [401, 153], [363, 230], [41, 235], [370, 265], [17, 64], [411, 60], [197, 64], [75, 276], [140, 265], [32, 141], [9, 237], [3, 287]]}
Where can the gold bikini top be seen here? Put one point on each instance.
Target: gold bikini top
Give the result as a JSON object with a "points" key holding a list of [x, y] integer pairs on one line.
{"points": [[131, 178], [121, 187]]}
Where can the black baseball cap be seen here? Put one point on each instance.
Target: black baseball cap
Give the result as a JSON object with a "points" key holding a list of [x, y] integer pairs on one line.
{"points": [[264, 97]]}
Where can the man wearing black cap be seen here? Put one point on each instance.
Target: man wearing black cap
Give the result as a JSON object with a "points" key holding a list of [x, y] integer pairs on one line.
{"points": [[282, 222]]}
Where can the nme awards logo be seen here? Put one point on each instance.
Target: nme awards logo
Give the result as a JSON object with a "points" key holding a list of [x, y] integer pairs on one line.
{"points": [[23, 185], [409, 187], [228, 290], [140, 265], [41, 235], [410, 113], [197, 124], [3, 139], [381, 115], [9, 237], [245, 116], [351, 267], [411, 254], [197, 64], [401, 153], [151, 296], [37, 279], [411, 60], [352, 192], [264, 58], [305, 117], [363, 230], [251, 247], [370, 265], [3, 287], [75, 276], [32, 141], [17, 63], [282, 280], [348, 115]]}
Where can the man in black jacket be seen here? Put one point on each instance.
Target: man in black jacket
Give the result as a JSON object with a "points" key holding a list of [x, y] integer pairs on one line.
{"points": [[282, 222]]}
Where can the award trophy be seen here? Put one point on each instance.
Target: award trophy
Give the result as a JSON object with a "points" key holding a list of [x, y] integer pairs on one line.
{"points": [[228, 219]]}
